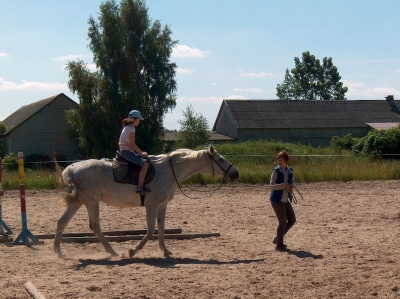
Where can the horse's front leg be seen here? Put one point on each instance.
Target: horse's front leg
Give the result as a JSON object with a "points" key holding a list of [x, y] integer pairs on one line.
{"points": [[94, 224], [151, 213], [161, 228]]}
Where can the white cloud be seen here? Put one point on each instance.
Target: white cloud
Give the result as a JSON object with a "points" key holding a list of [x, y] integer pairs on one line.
{"points": [[183, 71], [69, 57], [397, 71], [256, 75], [3, 54], [236, 97], [215, 84], [372, 61], [353, 84], [183, 51], [378, 92], [210, 99], [91, 67], [255, 90], [32, 86], [360, 91]]}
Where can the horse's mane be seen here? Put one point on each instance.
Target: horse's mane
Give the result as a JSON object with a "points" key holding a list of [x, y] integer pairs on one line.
{"points": [[183, 154]]}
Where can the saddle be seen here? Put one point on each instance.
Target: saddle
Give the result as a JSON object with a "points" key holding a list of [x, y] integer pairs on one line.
{"points": [[126, 172]]}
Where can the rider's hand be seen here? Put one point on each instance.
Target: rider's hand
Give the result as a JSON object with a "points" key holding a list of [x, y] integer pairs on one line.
{"points": [[144, 154]]}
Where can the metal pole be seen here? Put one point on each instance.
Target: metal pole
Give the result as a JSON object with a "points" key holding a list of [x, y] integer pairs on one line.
{"points": [[23, 238], [2, 223]]}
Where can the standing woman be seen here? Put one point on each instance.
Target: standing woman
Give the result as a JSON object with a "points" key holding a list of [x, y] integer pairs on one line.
{"points": [[281, 183], [130, 151]]}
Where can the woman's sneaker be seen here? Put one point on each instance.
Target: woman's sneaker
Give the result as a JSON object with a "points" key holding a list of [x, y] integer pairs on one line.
{"points": [[281, 247]]}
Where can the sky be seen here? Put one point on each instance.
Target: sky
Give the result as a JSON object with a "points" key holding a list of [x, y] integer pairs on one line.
{"points": [[226, 49]]}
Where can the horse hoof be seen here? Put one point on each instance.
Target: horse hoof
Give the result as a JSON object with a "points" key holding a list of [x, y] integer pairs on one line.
{"points": [[114, 254], [131, 252], [167, 253], [59, 254]]}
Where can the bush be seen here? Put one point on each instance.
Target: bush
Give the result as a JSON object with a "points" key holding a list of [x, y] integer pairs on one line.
{"points": [[379, 142], [10, 162], [345, 142]]}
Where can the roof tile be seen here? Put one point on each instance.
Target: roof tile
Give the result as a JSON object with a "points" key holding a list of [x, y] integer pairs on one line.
{"points": [[257, 114]]}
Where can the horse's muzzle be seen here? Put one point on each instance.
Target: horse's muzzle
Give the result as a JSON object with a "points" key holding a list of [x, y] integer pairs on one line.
{"points": [[234, 176]]}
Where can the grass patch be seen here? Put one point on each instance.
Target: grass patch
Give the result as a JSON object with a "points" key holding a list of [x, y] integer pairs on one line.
{"points": [[34, 179], [255, 161]]}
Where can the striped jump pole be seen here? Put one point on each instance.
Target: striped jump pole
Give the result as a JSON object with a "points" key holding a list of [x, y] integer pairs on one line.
{"points": [[3, 225], [22, 239]]}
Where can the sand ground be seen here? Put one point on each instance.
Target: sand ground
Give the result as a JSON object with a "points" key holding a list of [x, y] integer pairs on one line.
{"points": [[345, 244]]}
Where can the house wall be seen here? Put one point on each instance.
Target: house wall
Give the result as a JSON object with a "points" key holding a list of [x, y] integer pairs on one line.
{"points": [[315, 137], [45, 133], [225, 125]]}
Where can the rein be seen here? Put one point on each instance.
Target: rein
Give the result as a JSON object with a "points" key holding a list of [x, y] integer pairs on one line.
{"points": [[212, 165], [294, 196]]}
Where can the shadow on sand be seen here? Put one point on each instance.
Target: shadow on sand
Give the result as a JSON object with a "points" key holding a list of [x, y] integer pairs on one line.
{"points": [[304, 254], [169, 262]]}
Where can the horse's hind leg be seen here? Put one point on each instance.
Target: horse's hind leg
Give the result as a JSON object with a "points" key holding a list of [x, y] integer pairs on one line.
{"points": [[69, 212], [161, 228], [94, 224], [151, 214]]}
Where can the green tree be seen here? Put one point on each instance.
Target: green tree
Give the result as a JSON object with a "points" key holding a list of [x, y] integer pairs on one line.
{"points": [[194, 129], [310, 80], [3, 129], [132, 56]]}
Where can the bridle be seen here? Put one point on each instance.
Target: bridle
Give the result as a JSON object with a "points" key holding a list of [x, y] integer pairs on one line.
{"points": [[216, 162], [213, 160]]}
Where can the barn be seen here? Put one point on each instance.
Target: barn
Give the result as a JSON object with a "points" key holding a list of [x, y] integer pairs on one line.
{"points": [[41, 129], [305, 122]]}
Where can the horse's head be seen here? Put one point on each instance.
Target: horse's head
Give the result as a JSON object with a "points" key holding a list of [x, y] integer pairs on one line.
{"points": [[223, 165]]}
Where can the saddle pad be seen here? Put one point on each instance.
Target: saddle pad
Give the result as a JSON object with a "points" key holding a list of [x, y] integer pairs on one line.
{"points": [[127, 173]]}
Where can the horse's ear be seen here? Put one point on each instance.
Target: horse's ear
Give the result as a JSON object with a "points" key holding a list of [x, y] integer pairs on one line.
{"points": [[211, 149]]}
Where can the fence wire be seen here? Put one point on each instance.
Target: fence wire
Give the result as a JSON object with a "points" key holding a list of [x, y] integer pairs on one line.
{"points": [[231, 158]]}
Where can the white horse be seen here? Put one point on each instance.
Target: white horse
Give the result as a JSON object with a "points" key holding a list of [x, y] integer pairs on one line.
{"points": [[90, 182]]}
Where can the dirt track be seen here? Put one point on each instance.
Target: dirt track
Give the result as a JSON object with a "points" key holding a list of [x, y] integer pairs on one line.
{"points": [[345, 244]]}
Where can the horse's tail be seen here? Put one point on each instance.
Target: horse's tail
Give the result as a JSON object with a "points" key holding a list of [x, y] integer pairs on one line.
{"points": [[66, 180]]}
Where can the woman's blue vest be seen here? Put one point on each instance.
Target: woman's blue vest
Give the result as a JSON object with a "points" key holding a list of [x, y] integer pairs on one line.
{"points": [[276, 195]]}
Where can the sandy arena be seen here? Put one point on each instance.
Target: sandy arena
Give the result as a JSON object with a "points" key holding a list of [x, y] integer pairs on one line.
{"points": [[345, 244]]}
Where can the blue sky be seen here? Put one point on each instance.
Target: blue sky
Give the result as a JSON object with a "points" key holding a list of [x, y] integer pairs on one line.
{"points": [[226, 49]]}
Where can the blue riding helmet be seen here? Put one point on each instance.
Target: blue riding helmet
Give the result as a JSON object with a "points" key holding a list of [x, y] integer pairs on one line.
{"points": [[135, 114]]}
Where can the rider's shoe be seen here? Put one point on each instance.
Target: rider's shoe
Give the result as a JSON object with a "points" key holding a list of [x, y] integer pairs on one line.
{"points": [[142, 190]]}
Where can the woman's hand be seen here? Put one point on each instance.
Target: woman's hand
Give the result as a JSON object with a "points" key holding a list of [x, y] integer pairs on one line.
{"points": [[289, 188], [144, 155]]}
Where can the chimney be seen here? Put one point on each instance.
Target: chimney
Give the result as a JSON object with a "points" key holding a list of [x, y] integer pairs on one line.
{"points": [[392, 104], [389, 98]]}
